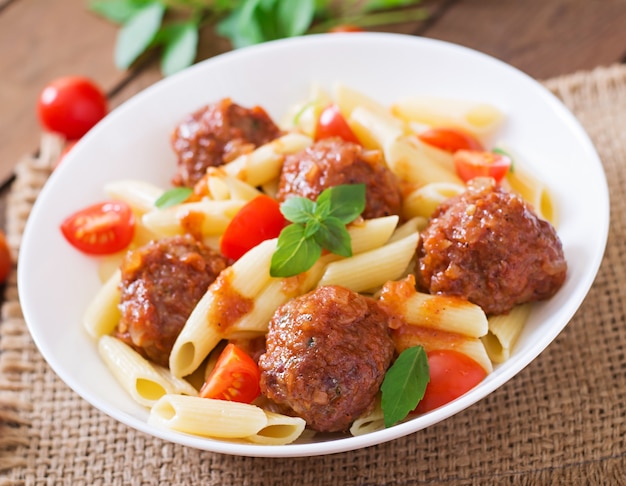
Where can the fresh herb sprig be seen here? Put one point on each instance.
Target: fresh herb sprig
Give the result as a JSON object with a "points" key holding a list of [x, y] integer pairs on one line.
{"points": [[316, 226], [174, 25], [172, 197], [404, 384]]}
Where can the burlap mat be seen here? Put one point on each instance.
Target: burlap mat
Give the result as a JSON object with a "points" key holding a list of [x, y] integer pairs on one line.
{"points": [[560, 421]]}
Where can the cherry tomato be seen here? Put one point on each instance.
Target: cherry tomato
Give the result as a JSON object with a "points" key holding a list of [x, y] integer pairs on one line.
{"points": [[71, 106], [450, 139], [257, 221], [331, 123], [451, 375], [100, 229], [345, 28], [474, 163], [5, 259], [235, 377]]}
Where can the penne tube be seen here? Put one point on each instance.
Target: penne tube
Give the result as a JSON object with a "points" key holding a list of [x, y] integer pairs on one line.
{"points": [[102, 313], [143, 381], [139, 195], [371, 269], [280, 430], [413, 225], [423, 201], [374, 130], [371, 233], [504, 330], [206, 218], [348, 99], [479, 118], [370, 422], [533, 191], [228, 298], [303, 117], [265, 163], [222, 186], [207, 417]]}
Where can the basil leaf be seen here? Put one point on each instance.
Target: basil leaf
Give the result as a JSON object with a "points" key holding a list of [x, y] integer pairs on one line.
{"points": [[333, 235], [137, 34], [173, 197], [346, 201], [404, 384], [294, 253], [181, 46], [298, 209], [295, 17], [118, 11], [387, 4]]}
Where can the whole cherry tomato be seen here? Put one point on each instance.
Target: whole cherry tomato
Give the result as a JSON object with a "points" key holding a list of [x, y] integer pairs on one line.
{"points": [[331, 123], [101, 228], [477, 163], [71, 106], [235, 377], [5, 258], [451, 375], [257, 221]]}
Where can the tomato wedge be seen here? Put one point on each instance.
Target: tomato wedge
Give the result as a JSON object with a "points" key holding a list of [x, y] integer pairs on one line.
{"points": [[101, 229], [235, 377], [257, 221], [451, 375], [474, 163], [331, 123], [450, 139]]}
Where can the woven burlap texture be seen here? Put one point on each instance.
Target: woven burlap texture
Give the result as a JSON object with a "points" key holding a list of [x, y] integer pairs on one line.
{"points": [[560, 421]]}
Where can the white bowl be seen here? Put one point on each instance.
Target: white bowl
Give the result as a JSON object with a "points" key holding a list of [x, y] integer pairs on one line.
{"points": [[56, 282]]}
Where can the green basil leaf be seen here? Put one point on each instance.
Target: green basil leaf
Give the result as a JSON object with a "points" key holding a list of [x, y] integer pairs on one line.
{"points": [[173, 197], [388, 4], [118, 11], [295, 17], [333, 235], [312, 227], [404, 384], [137, 34], [298, 209], [346, 201], [294, 253], [181, 47]]}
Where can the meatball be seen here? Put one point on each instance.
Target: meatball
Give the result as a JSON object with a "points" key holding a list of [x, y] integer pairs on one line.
{"points": [[217, 134], [332, 162], [161, 284], [327, 353], [488, 246]]}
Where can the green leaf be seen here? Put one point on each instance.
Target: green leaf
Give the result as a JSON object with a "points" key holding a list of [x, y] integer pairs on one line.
{"points": [[404, 384], [137, 34], [181, 47], [346, 202], [118, 11], [294, 253], [333, 235], [243, 27], [173, 197], [298, 209], [295, 17], [497, 150], [388, 4]]}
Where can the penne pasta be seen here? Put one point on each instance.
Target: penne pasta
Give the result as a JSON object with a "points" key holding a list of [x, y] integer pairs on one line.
{"points": [[139, 195], [102, 313], [370, 422], [371, 269], [145, 382], [423, 201], [280, 430], [375, 131], [264, 164], [207, 417], [504, 330], [221, 186], [371, 233], [531, 189]]}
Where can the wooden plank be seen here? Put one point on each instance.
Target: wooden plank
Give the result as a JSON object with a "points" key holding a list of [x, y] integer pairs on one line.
{"points": [[542, 38], [41, 40]]}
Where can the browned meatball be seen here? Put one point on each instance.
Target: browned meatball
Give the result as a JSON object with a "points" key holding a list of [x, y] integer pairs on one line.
{"points": [[488, 246], [327, 353], [217, 134], [332, 162], [161, 284]]}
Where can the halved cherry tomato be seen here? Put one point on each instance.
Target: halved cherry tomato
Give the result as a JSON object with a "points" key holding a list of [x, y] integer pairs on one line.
{"points": [[474, 163], [451, 375], [71, 106], [100, 229], [257, 221], [331, 123], [235, 377], [450, 139]]}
